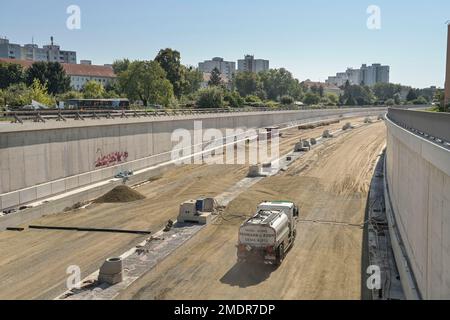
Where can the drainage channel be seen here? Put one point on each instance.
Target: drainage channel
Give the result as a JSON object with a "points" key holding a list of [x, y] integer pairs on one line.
{"points": [[145, 256]]}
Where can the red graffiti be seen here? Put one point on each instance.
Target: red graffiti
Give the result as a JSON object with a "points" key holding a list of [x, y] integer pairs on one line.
{"points": [[111, 159]]}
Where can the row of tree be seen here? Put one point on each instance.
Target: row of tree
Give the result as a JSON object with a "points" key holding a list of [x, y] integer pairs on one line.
{"points": [[45, 82], [162, 81], [165, 81], [268, 85], [50, 73], [380, 93]]}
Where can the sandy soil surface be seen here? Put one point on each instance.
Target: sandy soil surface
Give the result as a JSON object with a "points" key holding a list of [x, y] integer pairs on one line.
{"points": [[330, 184], [34, 262]]}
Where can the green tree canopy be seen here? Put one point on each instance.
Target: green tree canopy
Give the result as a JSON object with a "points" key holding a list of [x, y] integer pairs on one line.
{"points": [[397, 98], [361, 95], [390, 102], [247, 83], [70, 95], [420, 101], [38, 92], [51, 74], [10, 73], [386, 91], [210, 98], [16, 95], [193, 80], [279, 82], [234, 99], [120, 66], [170, 61], [93, 90], [411, 95], [215, 79], [332, 99], [350, 101], [146, 81], [286, 100], [311, 98]]}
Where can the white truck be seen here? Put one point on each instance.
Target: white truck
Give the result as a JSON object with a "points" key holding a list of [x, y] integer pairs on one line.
{"points": [[269, 234]]}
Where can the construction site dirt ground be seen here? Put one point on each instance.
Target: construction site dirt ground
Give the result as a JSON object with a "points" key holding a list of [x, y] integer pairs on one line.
{"points": [[330, 184], [34, 262]]}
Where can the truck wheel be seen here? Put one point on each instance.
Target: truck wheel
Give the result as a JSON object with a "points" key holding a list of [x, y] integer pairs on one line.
{"points": [[280, 255]]}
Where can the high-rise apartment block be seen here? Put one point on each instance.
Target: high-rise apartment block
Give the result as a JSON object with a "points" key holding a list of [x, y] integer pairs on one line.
{"points": [[226, 68], [32, 52], [366, 75], [250, 64]]}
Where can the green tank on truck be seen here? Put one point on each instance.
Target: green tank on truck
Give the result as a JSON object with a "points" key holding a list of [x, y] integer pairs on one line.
{"points": [[269, 234]]}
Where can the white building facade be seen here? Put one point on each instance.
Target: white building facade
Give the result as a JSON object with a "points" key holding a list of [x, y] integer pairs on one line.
{"points": [[80, 74], [226, 68], [366, 75]]}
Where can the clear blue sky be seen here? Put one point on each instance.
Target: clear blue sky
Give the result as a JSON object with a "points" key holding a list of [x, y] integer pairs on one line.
{"points": [[311, 38]]}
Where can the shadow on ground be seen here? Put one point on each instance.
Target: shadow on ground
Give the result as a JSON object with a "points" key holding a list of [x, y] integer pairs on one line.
{"points": [[246, 275]]}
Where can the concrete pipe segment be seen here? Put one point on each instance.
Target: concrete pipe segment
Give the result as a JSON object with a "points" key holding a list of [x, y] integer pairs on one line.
{"points": [[111, 271]]}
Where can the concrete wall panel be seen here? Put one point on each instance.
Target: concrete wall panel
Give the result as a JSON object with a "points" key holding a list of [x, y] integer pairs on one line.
{"points": [[46, 153], [10, 199], [58, 186], [27, 195], [43, 190], [419, 185]]}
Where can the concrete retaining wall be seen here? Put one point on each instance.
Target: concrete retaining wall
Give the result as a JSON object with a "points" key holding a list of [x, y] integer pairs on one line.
{"points": [[418, 176], [39, 160]]}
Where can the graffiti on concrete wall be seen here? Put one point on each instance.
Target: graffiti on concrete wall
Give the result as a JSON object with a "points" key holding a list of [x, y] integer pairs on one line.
{"points": [[111, 159]]}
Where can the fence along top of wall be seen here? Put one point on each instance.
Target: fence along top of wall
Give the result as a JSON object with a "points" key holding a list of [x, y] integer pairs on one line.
{"points": [[431, 123], [89, 122]]}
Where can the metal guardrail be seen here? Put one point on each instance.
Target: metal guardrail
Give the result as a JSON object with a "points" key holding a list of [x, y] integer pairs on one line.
{"points": [[431, 125], [18, 116], [62, 115]]}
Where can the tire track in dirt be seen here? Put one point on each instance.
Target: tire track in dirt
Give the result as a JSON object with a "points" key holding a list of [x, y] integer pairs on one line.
{"points": [[325, 262]]}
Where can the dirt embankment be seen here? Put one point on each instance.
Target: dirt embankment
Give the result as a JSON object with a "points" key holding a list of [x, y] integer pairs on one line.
{"points": [[120, 194]]}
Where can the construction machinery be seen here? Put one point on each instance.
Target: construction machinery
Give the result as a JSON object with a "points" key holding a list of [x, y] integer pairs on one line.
{"points": [[302, 146], [326, 134], [197, 211], [269, 234], [347, 126]]}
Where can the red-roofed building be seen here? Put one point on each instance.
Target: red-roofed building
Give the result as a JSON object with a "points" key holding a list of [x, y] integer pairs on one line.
{"points": [[79, 73]]}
